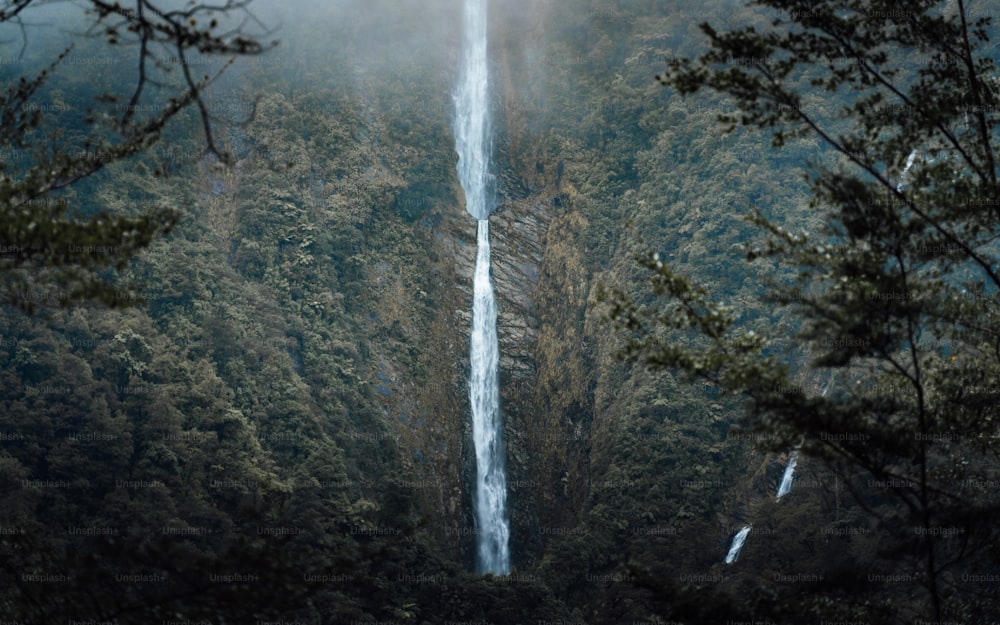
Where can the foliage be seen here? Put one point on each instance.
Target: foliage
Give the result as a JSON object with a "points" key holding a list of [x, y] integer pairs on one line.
{"points": [[297, 365], [894, 291], [53, 251]]}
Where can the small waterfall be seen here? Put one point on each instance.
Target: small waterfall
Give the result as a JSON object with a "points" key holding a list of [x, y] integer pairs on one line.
{"points": [[737, 545], [793, 458], [786, 479], [472, 142], [909, 164]]}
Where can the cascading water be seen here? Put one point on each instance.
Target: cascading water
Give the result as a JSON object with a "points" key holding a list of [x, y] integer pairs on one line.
{"points": [[491, 479], [906, 169], [737, 545], [472, 115], [786, 479], [472, 142], [793, 458]]}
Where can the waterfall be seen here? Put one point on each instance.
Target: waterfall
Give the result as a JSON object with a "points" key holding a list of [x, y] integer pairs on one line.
{"points": [[737, 545], [786, 479], [472, 116], [473, 144], [909, 164], [484, 394], [793, 458]]}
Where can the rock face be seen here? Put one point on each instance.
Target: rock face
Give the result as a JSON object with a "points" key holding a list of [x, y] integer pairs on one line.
{"points": [[517, 235], [428, 405], [542, 284], [519, 246]]}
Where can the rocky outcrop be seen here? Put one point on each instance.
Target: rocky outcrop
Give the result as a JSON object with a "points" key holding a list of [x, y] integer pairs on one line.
{"points": [[518, 235]]}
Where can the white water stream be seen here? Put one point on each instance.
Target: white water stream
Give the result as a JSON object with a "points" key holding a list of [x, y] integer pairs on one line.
{"points": [[473, 144]]}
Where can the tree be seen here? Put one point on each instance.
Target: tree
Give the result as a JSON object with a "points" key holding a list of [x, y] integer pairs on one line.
{"points": [[895, 295], [53, 249]]}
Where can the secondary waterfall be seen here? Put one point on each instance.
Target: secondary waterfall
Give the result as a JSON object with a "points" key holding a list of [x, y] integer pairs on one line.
{"points": [[786, 479], [906, 169], [473, 144], [737, 545], [793, 458]]}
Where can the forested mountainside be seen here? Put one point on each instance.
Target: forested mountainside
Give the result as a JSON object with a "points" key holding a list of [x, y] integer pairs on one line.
{"points": [[278, 429]]}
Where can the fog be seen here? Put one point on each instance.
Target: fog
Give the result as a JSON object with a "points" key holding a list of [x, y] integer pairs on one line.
{"points": [[358, 48]]}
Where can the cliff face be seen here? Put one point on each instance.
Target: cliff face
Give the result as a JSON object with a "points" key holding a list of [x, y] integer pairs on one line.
{"points": [[427, 403], [532, 240], [576, 158], [566, 155], [543, 276], [518, 232]]}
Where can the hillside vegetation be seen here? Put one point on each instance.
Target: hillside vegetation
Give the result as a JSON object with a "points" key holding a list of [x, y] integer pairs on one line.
{"points": [[279, 429]]}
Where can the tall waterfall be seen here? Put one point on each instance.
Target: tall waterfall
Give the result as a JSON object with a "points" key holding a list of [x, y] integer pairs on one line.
{"points": [[473, 144], [473, 139]]}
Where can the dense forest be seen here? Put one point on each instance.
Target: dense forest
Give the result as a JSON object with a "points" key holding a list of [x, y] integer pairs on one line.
{"points": [[262, 414]]}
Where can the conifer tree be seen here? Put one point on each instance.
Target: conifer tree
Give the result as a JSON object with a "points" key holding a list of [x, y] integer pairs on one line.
{"points": [[53, 251], [896, 296]]}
